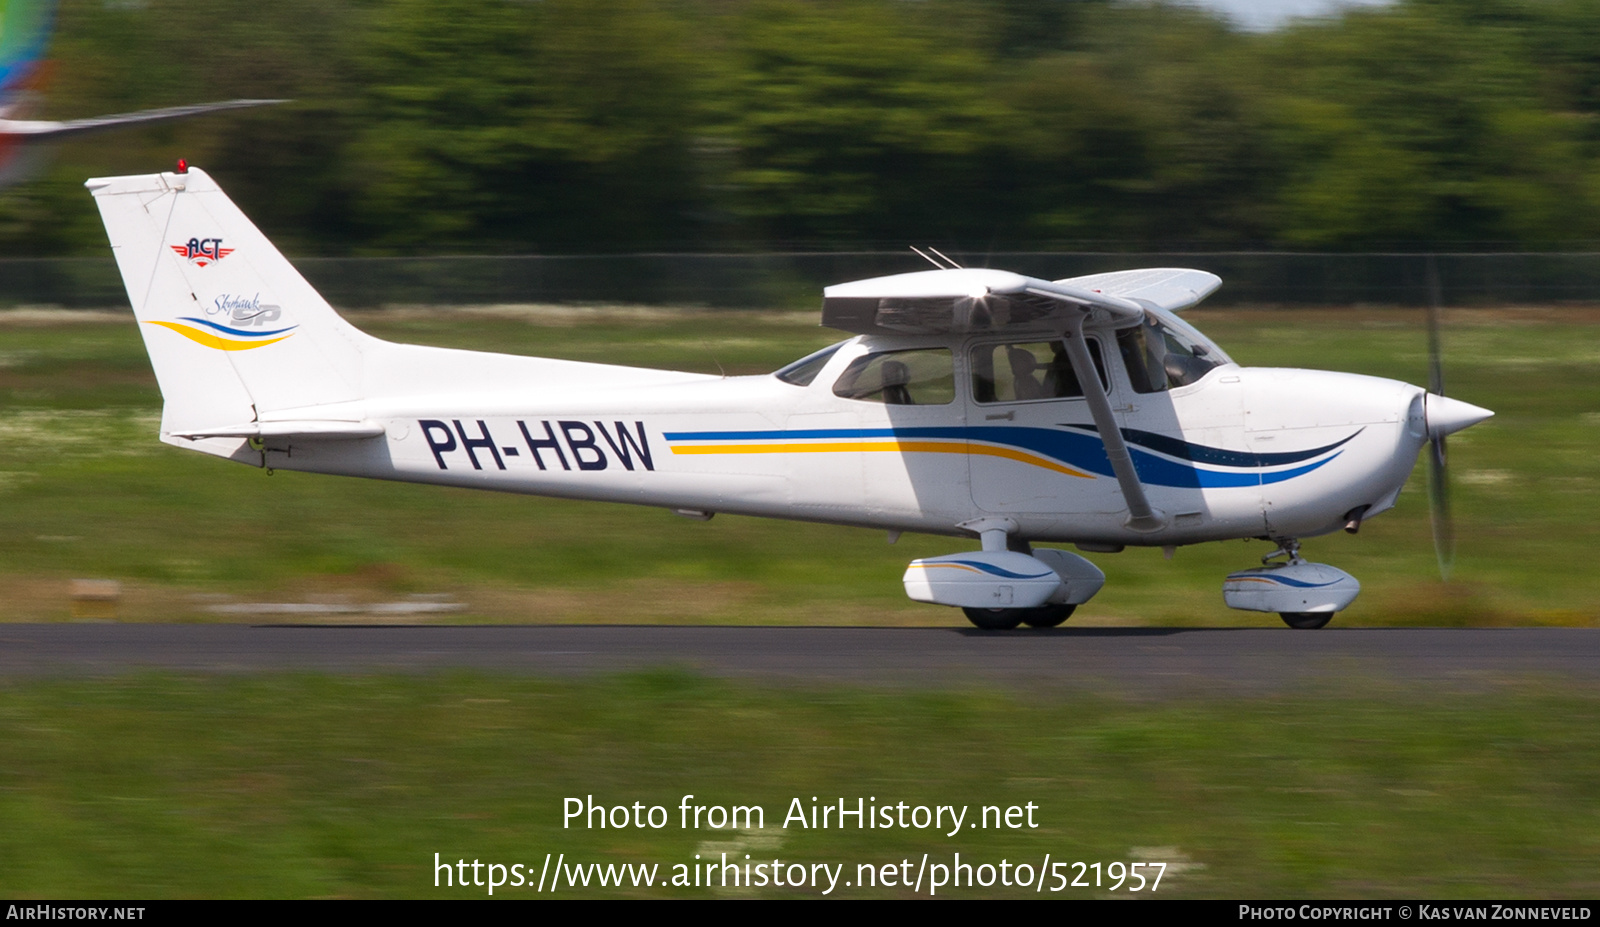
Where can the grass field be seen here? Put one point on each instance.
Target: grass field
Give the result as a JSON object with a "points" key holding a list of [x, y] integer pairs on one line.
{"points": [[290, 786], [86, 491]]}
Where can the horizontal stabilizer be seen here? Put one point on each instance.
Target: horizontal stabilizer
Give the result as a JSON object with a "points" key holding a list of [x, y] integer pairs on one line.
{"points": [[322, 430], [1169, 288]]}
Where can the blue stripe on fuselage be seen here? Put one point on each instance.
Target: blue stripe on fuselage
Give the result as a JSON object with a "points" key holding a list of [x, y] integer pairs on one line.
{"points": [[1084, 451]]}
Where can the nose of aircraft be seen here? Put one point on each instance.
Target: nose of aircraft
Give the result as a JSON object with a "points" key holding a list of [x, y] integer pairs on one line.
{"points": [[1448, 416]]}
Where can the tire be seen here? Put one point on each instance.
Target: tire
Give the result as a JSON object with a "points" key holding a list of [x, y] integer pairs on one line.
{"points": [[1306, 621], [996, 619], [1047, 616]]}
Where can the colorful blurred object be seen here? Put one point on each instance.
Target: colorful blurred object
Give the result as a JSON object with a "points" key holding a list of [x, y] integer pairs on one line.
{"points": [[25, 27]]}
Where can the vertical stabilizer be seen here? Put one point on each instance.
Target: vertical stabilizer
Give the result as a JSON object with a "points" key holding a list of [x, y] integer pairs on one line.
{"points": [[234, 332]]}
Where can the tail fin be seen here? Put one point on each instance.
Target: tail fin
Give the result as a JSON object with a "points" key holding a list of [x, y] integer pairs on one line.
{"points": [[233, 330], [25, 27]]}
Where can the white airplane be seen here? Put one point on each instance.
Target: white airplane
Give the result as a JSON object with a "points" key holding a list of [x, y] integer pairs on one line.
{"points": [[973, 403], [25, 27]]}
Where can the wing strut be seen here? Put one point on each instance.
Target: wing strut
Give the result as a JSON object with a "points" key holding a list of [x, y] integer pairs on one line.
{"points": [[1141, 516]]}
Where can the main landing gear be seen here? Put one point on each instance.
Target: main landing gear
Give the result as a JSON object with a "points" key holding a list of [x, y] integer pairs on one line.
{"points": [[1305, 595], [1007, 583], [1004, 619]]}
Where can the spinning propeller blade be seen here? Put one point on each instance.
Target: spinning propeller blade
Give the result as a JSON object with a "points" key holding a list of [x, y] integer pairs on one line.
{"points": [[1444, 529]]}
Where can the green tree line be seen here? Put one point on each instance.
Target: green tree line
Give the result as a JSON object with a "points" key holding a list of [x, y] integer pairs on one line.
{"points": [[563, 126]]}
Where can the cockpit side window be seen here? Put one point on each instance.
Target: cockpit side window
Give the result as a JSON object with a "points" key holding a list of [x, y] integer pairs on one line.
{"points": [[1160, 357], [923, 377], [804, 370], [1028, 370]]}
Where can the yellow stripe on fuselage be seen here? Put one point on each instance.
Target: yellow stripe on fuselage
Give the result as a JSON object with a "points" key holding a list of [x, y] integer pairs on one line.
{"points": [[907, 447], [1011, 453], [212, 341]]}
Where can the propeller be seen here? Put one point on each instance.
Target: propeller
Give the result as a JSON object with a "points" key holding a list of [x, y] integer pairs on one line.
{"points": [[1444, 528]]}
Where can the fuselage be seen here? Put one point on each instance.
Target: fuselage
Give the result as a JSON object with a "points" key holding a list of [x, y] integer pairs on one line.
{"points": [[973, 402], [1237, 452]]}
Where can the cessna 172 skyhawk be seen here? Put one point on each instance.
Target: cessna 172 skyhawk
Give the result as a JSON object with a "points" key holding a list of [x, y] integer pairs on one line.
{"points": [[971, 402]]}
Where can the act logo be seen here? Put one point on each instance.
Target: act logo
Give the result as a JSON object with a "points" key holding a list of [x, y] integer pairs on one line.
{"points": [[202, 251]]}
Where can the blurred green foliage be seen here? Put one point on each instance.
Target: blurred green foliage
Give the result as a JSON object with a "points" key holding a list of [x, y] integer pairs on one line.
{"points": [[429, 126]]}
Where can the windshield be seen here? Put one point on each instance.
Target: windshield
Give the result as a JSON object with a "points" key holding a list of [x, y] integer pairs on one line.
{"points": [[1160, 355], [1197, 338], [804, 370]]}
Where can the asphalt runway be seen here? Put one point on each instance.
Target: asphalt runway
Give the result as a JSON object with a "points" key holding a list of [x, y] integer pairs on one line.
{"points": [[1137, 660]]}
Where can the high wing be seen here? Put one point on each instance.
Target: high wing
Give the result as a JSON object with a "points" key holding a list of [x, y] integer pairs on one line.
{"points": [[44, 129], [979, 299], [1170, 288]]}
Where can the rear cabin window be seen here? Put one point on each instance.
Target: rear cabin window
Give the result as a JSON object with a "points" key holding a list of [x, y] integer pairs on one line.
{"points": [[900, 378], [1021, 371]]}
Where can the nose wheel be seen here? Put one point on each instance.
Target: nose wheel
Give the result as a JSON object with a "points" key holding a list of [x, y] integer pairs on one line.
{"points": [[1306, 621], [1305, 595]]}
